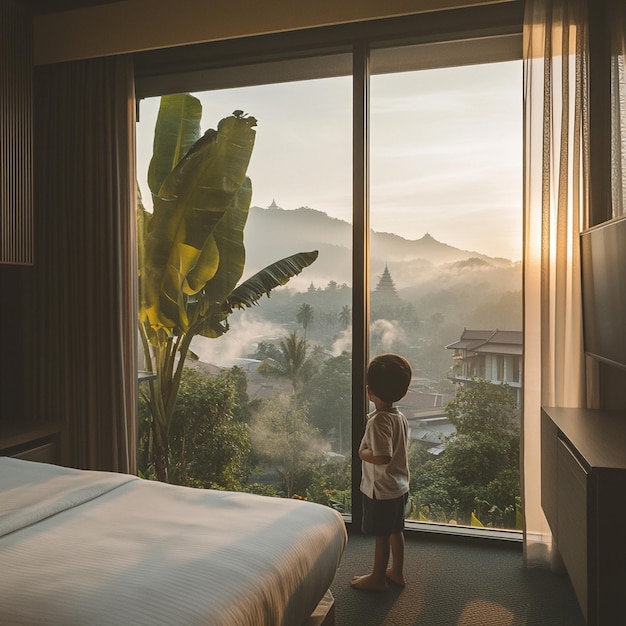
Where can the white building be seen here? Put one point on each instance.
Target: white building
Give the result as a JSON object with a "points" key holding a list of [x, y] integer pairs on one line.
{"points": [[492, 355]]}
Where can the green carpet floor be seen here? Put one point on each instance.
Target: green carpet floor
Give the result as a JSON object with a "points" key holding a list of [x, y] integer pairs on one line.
{"points": [[451, 583]]}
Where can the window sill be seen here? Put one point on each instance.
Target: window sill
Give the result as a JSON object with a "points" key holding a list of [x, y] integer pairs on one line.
{"points": [[449, 532]]}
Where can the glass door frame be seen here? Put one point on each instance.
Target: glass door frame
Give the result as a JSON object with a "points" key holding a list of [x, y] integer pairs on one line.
{"points": [[296, 55]]}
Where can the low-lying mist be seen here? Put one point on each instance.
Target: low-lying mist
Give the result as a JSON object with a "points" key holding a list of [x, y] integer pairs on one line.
{"points": [[247, 330]]}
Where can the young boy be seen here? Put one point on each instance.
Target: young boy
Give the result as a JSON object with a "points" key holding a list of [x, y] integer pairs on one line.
{"points": [[385, 472]]}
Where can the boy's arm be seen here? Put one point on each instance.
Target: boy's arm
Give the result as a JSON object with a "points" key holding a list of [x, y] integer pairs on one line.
{"points": [[379, 430], [367, 455]]}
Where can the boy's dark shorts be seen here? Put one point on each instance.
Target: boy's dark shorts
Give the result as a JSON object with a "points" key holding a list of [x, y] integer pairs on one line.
{"points": [[383, 517]]}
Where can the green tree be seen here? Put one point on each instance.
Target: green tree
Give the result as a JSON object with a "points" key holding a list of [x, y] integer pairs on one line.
{"points": [[331, 485], [305, 316], [329, 397], [345, 316], [484, 407], [481, 461], [289, 360], [209, 448], [241, 410], [264, 350], [285, 440], [191, 253]]}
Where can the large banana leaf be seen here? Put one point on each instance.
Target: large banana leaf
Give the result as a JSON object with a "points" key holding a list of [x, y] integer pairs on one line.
{"points": [[231, 255], [214, 321], [143, 224], [279, 273], [177, 129], [191, 201], [143, 221], [229, 241], [193, 254]]}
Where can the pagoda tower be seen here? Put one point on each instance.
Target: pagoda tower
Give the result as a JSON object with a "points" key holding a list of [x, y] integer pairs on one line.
{"points": [[386, 288]]}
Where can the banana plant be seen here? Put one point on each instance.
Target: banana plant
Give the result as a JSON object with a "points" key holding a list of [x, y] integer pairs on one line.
{"points": [[191, 252]]}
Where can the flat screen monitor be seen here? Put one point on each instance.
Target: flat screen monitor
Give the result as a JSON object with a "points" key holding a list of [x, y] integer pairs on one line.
{"points": [[603, 258]]}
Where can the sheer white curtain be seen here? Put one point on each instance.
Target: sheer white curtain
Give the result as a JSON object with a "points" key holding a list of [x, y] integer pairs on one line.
{"points": [[617, 20], [555, 198]]}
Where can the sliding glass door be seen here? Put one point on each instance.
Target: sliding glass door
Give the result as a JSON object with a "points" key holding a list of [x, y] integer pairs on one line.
{"points": [[281, 374], [446, 275], [400, 166]]}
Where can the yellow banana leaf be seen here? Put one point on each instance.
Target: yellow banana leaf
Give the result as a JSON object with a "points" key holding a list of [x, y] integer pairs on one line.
{"points": [[474, 521], [182, 251]]}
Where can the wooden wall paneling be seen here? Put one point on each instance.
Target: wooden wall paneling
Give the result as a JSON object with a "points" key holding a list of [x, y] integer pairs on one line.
{"points": [[16, 131]]}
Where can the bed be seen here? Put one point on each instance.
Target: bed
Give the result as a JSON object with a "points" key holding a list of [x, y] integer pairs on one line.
{"points": [[87, 547]]}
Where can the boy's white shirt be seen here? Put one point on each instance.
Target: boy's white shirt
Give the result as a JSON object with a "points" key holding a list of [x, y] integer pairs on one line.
{"points": [[386, 434]]}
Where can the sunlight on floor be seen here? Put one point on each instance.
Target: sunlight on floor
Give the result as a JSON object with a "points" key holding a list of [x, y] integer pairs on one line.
{"points": [[476, 612]]}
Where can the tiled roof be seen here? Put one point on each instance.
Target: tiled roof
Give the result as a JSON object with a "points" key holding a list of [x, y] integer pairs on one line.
{"points": [[420, 400], [471, 338], [501, 348], [490, 341], [508, 336]]}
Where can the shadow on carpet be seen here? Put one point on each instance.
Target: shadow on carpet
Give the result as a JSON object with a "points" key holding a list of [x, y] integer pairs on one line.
{"points": [[454, 584]]}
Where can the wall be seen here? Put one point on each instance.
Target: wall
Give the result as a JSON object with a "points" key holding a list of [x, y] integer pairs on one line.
{"points": [[17, 365], [123, 26], [17, 350], [612, 387], [126, 26], [16, 125]]}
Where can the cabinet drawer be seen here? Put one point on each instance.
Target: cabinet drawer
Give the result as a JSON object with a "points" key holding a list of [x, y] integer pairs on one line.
{"points": [[45, 453], [549, 438], [572, 494]]}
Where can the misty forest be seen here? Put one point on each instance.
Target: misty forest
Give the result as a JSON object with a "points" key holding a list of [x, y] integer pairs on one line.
{"points": [[245, 324], [266, 407]]}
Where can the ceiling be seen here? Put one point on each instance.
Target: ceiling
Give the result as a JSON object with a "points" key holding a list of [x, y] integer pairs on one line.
{"points": [[41, 7]]}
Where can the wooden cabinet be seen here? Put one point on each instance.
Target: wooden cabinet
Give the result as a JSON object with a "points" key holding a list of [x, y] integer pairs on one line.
{"points": [[42, 443], [571, 522], [583, 489]]}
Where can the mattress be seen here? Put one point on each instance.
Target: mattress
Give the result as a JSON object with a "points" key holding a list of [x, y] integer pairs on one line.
{"points": [[86, 547]]}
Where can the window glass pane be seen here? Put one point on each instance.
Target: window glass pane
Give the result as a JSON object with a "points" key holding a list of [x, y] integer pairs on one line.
{"points": [[446, 245], [266, 406]]}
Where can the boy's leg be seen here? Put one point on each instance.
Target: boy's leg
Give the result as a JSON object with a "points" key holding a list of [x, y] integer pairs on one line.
{"points": [[376, 581], [396, 572]]}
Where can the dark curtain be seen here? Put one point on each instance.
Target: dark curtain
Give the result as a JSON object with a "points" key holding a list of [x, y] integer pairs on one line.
{"points": [[86, 374]]}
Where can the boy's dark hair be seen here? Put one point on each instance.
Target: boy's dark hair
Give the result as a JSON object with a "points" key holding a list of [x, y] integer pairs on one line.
{"points": [[389, 376]]}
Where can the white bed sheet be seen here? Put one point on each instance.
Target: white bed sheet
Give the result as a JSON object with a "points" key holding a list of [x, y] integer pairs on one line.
{"points": [[103, 548]]}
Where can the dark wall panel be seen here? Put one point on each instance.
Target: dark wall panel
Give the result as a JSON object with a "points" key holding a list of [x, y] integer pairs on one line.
{"points": [[16, 124], [17, 350]]}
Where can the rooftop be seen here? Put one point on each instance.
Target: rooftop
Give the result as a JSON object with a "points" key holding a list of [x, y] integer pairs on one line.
{"points": [[490, 341]]}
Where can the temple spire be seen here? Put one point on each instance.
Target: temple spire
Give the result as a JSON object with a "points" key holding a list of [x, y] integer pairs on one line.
{"points": [[386, 287]]}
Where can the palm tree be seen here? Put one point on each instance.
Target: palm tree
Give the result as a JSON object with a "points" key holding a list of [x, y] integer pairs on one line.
{"points": [[305, 316], [345, 316], [290, 360]]}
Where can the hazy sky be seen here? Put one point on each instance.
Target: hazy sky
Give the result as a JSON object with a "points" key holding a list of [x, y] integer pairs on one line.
{"points": [[446, 151]]}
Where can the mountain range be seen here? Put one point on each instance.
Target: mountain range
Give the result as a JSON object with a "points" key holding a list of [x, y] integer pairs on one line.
{"points": [[273, 233]]}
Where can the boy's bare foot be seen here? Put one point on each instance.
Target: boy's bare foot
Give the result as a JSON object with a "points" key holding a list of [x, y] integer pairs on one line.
{"points": [[397, 579], [368, 583]]}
